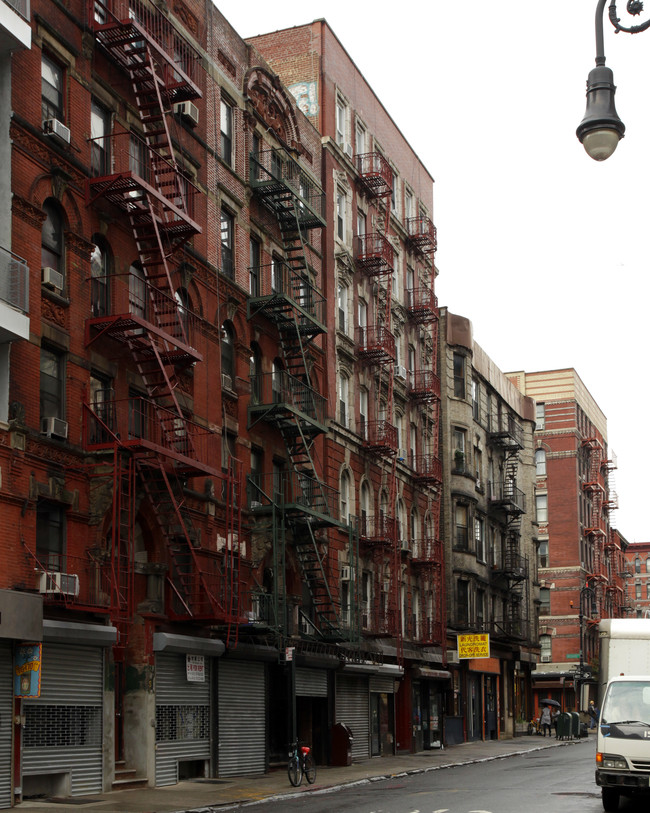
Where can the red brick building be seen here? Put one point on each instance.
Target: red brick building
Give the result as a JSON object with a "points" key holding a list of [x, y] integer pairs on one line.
{"points": [[580, 555], [382, 450], [637, 561], [193, 528]]}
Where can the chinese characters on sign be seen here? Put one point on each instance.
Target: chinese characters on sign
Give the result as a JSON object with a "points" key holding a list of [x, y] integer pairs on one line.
{"points": [[27, 670], [474, 646], [195, 665]]}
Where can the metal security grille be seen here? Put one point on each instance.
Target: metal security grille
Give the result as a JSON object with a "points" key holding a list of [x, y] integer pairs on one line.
{"points": [[383, 684], [353, 709], [182, 716], [6, 699], [242, 718], [63, 727], [311, 682]]}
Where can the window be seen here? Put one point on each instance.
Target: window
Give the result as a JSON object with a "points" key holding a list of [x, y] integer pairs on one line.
{"points": [[360, 138], [228, 449], [226, 132], [411, 358], [408, 203], [254, 267], [542, 553], [344, 395], [478, 465], [462, 602], [461, 536], [364, 500], [647, 565], [540, 416], [52, 378], [138, 158], [227, 355], [363, 313], [480, 608], [363, 412], [341, 122], [183, 309], [51, 89], [637, 590], [343, 307], [475, 400], [541, 508], [637, 565], [345, 496], [255, 374], [227, 244], [137, 419], [102, 403], [361, 223], [100, 128], [545, 600], [50, 534], [257, 468], [459, 376], [99, 288], [277, 382], [137, 291], [413, 439], [394, 195], [52, 238], [479, 537], [540, 463], [458, 441], [341, 204], [545, 648]]}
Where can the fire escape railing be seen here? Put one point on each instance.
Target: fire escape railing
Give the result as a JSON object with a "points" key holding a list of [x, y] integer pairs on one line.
{"points": [[424, 386], [272, 173], [375, 174], [422, 305], [374, 254], [421, 234], [376, 344]]}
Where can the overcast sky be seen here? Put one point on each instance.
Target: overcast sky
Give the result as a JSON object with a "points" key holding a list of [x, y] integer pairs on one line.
{"points": [[544, 249]]}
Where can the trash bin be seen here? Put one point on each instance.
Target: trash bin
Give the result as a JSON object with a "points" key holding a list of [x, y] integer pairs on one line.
{"points": [[575, 724], [583, 730], [563, 725], [341, 744]]}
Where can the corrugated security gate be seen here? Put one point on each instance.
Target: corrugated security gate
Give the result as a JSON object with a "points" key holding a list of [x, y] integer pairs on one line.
{"points": [[311, 682], [63, 728], [242, 718], [182, 716], [353, 709], [6, 717]]}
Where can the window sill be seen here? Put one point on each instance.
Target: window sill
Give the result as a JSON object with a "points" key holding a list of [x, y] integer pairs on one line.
{"points": [[60, 299]]}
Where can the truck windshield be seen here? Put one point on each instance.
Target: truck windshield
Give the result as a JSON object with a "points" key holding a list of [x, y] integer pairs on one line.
{"points": [[627, 703]]}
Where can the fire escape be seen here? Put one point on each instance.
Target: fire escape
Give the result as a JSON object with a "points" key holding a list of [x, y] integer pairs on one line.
{"points": [[153, 441], [509, 502], [302, 506], [615, 596], [424, 390], [597, 528], [374, 259]]}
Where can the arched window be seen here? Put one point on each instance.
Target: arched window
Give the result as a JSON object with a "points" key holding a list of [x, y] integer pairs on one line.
{"points": [[647, 565], [99, 277], [345, 495], [52, 255], [540, 463], [227, 356]]}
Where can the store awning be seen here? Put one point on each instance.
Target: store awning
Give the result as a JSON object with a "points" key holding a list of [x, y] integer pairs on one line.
{"points": [[431, 674]]}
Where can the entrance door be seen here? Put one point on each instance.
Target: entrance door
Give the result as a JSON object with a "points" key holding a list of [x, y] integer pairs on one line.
{"points": [[490, 708], [474, 708]]}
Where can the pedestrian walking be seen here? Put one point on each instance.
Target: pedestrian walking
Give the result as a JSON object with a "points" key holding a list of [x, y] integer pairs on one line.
{"points": [[594, 714], [546, 721], [555, 715]]}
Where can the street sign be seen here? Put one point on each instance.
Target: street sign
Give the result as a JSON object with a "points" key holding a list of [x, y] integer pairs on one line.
{"points": [[575, 655], [474, 646]]}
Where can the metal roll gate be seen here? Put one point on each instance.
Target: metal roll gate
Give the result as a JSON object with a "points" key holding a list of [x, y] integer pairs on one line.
{"points": [[242, 717], [353, 709], [6, 717]]}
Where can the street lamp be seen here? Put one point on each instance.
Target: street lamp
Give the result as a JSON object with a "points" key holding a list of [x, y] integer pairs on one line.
{"points": [[601, 129]]}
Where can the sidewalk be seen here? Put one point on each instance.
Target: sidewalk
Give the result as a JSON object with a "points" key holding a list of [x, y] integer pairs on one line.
{"points": [[206, 795]]}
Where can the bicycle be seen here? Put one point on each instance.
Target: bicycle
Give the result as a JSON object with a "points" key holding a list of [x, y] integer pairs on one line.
{"points": [[301, 763]]}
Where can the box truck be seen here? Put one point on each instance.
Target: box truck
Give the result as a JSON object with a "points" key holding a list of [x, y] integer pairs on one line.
{"points": [[623, 733]]}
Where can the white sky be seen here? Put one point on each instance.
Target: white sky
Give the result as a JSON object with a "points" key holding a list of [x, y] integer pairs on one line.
{"points": [[545, 250]]}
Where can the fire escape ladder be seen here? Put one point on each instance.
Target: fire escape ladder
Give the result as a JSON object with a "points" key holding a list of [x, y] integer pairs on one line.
{"points": [[123, 552], [312, 565]]}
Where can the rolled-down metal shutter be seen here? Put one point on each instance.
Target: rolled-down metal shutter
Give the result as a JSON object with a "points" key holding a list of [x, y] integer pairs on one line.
{"points": [[6, 717], [63, 727], [183, 731], [311, 682], [353, 709], [384, 684], [242, 718]]}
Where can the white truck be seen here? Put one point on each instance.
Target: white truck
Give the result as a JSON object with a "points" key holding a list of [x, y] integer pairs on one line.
{"points": [[623, 733]]}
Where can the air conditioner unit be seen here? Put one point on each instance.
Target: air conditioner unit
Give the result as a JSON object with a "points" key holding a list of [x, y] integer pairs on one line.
{"points": [[54, 428], [56, 129], [226, 381], [64, 584], [400, 371], [52, 278], [546, 659], [348, 150], [402, 454], [188, 111], [346, 573]]}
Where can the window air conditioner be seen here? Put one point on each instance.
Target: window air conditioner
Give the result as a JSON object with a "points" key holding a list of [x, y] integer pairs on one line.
{"points": [[187, 111], [226, 381], [52, 278], [64, 584], [400, 371], [546, 658], [56, 129], [54, 428], [402, 454], [346, 573]]}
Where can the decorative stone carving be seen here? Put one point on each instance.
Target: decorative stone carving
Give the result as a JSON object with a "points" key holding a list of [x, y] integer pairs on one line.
{"points": [[274, 105]]}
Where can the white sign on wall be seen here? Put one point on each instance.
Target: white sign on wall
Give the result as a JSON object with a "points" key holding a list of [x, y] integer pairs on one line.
{"points": [[195, 666]]}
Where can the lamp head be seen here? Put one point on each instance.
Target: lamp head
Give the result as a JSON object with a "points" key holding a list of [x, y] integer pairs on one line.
{"points": [[601, 129]]}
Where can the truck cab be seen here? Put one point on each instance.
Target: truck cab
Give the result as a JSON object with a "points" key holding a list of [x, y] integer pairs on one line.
{"points": [[623, 740]]}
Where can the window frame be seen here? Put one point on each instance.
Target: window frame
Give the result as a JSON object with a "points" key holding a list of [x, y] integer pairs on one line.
{"points": [[226, 131], [52, 101], [56, 394], [227, 237]]}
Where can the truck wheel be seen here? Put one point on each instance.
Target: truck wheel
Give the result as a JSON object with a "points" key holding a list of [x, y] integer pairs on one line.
{"points": [[610, 799]]}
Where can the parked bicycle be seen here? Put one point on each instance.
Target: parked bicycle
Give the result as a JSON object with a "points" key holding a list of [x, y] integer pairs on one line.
{"points": [[301, 763]]}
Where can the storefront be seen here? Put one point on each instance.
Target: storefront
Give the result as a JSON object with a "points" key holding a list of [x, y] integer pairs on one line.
{"points": [[429, 686]]}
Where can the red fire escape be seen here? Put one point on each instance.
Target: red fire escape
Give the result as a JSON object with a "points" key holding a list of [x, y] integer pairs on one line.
{"points": [[154, 442], [596, 526]]}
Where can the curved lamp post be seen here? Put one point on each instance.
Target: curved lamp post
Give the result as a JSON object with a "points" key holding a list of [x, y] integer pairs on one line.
{"points": [[601, 129]]}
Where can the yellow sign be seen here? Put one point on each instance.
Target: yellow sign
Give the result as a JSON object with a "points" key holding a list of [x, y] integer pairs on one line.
{"points": [[474, 646]]}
